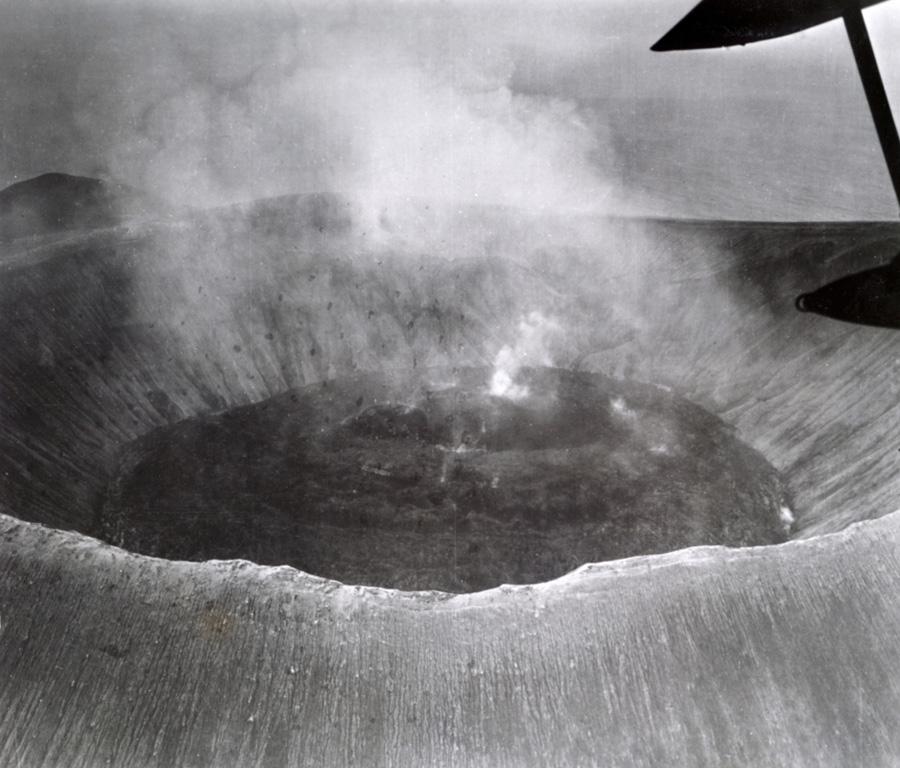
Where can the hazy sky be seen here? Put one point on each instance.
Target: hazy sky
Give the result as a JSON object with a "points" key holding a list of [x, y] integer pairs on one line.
{"points": [[556, 105]]}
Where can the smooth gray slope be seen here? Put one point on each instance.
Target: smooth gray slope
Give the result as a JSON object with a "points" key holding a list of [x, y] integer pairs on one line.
{"points": [[819, 398], [776, 656]]}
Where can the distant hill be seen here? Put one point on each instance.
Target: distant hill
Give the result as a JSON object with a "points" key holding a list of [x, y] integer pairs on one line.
{"points": [[57, 202]]}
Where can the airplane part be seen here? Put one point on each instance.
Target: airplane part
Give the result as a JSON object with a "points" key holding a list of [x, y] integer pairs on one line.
{"points": [[875, 93], [862, 297], [722, 23], [870, 297]]}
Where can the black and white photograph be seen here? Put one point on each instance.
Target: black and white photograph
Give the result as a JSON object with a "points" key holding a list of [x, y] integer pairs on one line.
{"points": [[449, 383]]}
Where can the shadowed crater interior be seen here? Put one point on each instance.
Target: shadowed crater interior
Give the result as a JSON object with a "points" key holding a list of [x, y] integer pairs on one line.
{"points": [[442, 485]]}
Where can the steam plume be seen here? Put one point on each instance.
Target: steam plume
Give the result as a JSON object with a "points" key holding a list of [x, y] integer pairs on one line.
{"points": [[381, 102], [532, 347]]}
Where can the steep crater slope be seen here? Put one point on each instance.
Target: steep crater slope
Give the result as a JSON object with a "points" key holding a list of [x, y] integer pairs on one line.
{"points": [[444, 486], [818, 397]]}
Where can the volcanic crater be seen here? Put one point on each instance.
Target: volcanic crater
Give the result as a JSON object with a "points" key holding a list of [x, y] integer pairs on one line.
{"points": [[440, 484], [190, 387]]}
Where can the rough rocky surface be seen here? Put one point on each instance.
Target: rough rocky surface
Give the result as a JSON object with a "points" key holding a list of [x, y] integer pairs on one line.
{"points": [[773, 656], [457, 489]]}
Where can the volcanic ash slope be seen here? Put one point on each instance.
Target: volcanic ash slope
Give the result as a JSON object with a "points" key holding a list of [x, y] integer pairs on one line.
{"points": [[772, 656]]}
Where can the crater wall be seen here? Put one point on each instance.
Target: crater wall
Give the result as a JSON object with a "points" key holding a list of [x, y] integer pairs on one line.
{"points": [[111, 333]]}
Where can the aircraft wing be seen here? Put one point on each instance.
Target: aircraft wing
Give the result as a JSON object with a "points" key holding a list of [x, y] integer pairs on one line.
{"points": [[871, 297], [720, 23]]}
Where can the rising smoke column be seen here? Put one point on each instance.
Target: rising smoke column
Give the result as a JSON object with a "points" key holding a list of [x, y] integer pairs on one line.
{"points": [[379, 102]]}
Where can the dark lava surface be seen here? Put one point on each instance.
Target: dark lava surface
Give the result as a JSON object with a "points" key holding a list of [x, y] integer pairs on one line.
{"points": [[441, 485]]}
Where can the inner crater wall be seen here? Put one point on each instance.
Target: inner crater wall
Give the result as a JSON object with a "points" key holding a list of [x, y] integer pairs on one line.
{"points": [[110, 334]]}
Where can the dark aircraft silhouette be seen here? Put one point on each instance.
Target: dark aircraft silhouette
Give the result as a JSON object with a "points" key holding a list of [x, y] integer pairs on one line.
{"points": [[871, 297], [720, 23]]}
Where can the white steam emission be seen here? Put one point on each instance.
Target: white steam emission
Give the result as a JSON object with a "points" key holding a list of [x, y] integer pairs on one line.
{"points": [[532, 347]]}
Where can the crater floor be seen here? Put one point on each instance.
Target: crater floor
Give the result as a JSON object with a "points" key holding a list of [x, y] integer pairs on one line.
{"points": [[442, 485]]}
